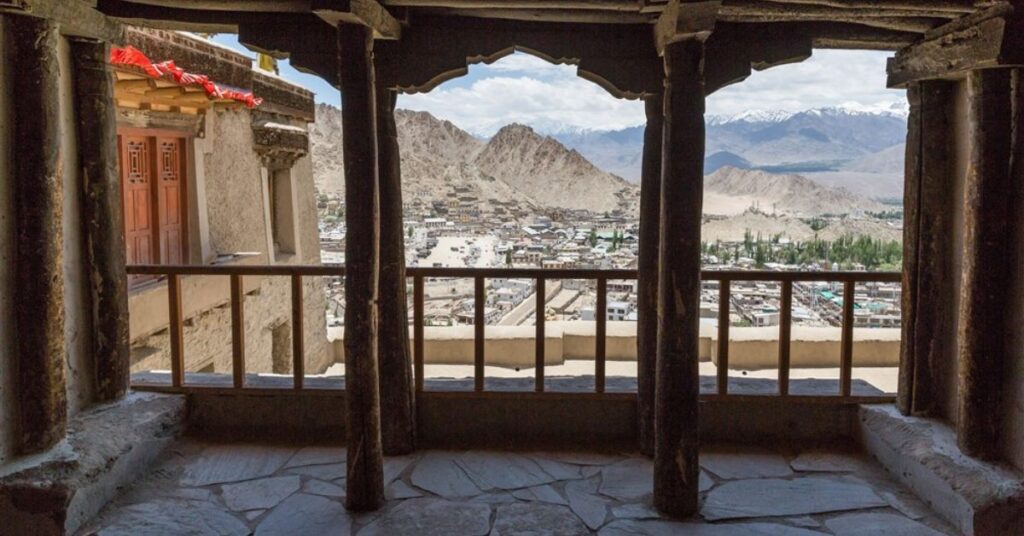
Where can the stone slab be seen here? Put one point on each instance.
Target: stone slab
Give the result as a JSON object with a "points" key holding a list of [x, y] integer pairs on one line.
{"points": [[776, 497], [401, 490], [591, 508], [732, 464], [502, 470], [544, 493], [326, 489], [438, 473], [306, 514], [332, 471], [830, 462], [875, 523], [429, 516], [259, 494], [219, 464], [533, 519], [628, 480], [635, 527], [169, 516], [317, 456]]}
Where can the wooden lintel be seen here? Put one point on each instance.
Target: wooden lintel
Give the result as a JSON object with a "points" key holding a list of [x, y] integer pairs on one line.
{"points": [[988, 39], [368, 13], [685, 21], [77, 18]]}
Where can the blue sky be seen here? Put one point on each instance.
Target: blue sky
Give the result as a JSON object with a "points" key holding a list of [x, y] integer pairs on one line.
{"points": [[524, 89]]}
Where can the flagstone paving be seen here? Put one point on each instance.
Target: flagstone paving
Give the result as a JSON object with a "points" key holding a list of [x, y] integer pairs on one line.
{"points": [[207, 489]]}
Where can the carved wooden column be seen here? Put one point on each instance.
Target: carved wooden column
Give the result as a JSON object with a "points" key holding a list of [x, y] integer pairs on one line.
{"points": [[927, 309], [647, 272], [102, 216], [398, 417], [365, 484], [678, 384], [986, 275], [39, 290]]}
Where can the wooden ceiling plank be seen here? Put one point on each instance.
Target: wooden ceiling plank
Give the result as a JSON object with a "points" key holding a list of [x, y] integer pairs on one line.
{"points": [[368, 13]]}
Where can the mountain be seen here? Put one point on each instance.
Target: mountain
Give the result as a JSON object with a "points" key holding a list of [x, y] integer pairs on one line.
{"points": [[848, 147], [441, 163], [544, 169], [731, 191]]}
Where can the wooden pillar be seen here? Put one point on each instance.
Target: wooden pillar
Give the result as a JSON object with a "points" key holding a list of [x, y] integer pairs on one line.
{"points": [[647, 273], [102, 216], [398, 426], [927, 313], [677, 385], [365, 484], [39, 291], [986, 275]]}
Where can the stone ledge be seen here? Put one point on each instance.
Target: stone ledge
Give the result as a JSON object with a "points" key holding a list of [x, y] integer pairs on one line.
{"points": [[106, 449], [975, 496]]}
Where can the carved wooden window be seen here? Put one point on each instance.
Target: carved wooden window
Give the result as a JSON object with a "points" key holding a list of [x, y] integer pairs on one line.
{"points": [[153, 180]]}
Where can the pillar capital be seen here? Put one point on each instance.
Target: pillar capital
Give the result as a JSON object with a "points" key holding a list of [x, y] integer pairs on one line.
{"points": [[684, 21]]}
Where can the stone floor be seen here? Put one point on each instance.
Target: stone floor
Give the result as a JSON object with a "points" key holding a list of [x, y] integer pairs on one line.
{"points": [[205, 488]]}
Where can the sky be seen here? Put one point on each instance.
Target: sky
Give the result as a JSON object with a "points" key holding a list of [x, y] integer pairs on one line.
{"points": [[524, 89]]}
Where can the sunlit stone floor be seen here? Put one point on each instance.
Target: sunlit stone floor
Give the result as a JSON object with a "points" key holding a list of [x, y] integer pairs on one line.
{"points": [[204, 488]]}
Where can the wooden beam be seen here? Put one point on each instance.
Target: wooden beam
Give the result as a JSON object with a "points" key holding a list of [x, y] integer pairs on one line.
{"points": [[927, 301], [986, 275], [689, 21], [951, 6], [647, 273], [365, 483], [102, 215], [579, 16], [398, 415], [993, 38], [365, 12], [172, 18], [676, 470], [628, 6], [39, 234], [75, 18]]}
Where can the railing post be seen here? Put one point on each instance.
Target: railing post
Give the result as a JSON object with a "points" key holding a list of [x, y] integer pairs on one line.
{"points": [[846, 355], [723, 335], [539, 356], [785, 333], [600, 342], [298, 344], [417, 330], [237, 331], [175, 330], [478, 334]]}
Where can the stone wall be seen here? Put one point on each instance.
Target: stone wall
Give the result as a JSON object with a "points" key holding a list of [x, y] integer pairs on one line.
{"points": [[7, 400], [235, 196]]}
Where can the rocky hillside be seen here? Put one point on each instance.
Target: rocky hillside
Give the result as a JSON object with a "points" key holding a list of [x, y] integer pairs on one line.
{"points": [[545, 170], [517, 166], [731, 191]]}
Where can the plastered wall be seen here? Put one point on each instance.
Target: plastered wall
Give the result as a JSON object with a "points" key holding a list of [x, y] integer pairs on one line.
{"points": [[233, 197]]}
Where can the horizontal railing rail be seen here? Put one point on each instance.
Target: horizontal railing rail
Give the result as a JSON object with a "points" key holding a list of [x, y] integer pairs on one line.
{"points": [[236, 273]]}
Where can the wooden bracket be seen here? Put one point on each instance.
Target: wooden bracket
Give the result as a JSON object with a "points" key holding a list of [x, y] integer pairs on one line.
{"points": [[368, 13], [685, 20]]}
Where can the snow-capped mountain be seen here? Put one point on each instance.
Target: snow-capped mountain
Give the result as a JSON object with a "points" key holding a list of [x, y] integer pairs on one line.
{"points": [[822, 140]]}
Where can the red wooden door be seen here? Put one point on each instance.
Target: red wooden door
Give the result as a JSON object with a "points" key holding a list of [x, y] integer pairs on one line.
{"points": [[137, 191], [170, 195]]}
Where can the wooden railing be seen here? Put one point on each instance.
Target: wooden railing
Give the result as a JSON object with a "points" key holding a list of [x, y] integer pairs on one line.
{"points": [[419, 275]]}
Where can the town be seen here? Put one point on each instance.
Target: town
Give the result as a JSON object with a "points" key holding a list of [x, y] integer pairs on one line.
{"points": [[464, 231]]}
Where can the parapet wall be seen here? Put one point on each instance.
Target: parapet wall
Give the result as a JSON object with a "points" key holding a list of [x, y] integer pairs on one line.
{"points": [[749, 348]]}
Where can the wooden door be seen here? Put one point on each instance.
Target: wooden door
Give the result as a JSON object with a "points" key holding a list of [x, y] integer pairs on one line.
{"points": [[137, 191], [170, 196]]}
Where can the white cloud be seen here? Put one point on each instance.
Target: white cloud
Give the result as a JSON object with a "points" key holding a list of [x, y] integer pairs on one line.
{"points": [[525, 89]]}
